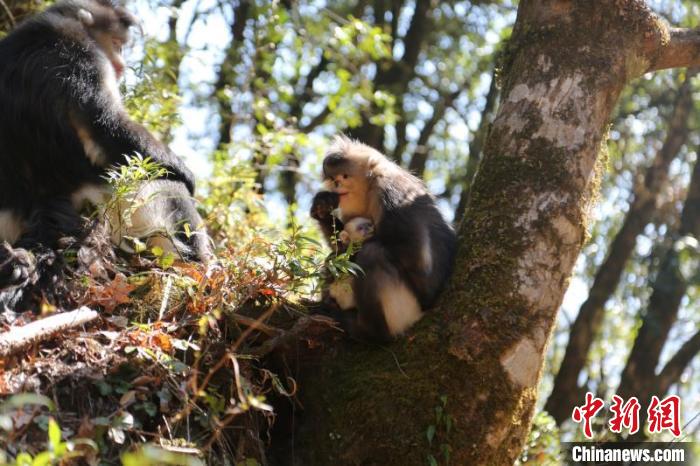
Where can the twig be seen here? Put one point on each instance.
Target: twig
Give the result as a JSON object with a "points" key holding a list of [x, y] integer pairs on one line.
{"points": [[9, 12], [20, 337], [301, 327], [166, 297]]}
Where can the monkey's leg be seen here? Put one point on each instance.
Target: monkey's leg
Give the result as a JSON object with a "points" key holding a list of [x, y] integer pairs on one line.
{"points": [[50, 221], [386, 305]]}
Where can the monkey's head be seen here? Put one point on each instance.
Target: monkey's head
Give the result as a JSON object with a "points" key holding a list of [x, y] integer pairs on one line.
{"points": [[106, 23], [356, 230], [348, 172], [366, 182]]}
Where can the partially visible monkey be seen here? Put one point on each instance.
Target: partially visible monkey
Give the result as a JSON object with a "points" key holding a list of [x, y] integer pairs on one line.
{"points": [[408, 259], [62, 126]]}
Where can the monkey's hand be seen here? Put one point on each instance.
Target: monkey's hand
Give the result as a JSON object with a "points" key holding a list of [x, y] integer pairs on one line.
{"points": [[324, 203], [17, 266]]}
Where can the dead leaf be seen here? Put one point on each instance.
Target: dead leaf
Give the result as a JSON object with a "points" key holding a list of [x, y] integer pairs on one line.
{"points": [[127, 398], [112, 295]]}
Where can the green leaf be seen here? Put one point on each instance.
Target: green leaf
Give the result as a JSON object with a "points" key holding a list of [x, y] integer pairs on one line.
{"points": [[42, 459], [23, 459], [18, 401], [54, 435], [430, 433]]}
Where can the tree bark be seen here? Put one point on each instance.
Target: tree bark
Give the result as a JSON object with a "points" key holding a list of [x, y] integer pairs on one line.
{"points": [[566, 392], [479, 355]]}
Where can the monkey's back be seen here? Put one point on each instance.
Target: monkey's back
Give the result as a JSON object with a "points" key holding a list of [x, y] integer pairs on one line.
{"points": [[41, 73], [422, 245]]}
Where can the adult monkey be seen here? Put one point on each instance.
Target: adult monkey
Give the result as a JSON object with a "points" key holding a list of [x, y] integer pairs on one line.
{"points": [[63, 125], [408, 259]]}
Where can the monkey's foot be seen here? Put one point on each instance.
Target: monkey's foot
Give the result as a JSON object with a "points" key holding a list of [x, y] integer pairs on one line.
{"points": [[17, 266]]}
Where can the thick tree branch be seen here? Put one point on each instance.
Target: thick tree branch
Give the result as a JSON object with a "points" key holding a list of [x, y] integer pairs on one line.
{"points": [[674, 368], [317, 120], [225, 74], [17, 338], [668, 290], [681, 50], [420, 156], [400, 126], [307, 92]]}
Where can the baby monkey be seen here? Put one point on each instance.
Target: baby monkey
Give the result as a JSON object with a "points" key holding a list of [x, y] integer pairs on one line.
{"points": [[354, 232]]}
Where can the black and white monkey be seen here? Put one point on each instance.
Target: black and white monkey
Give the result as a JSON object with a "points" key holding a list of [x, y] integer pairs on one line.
{"points": [[409, 256], [63, 124]]}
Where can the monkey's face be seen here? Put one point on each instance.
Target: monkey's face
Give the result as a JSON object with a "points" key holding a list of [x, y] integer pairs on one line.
{"points": [[352, 190], [109, 28]]}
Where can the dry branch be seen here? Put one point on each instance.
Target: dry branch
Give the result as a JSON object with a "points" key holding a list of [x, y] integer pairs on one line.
{"points": [[20, 337], [304, 327]]}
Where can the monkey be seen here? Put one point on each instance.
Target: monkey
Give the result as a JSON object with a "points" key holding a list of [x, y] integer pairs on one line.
{"points": [[409, 257], [354, 233], [63, 125]]}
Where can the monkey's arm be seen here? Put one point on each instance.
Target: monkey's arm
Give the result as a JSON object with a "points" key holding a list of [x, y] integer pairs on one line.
{"points": [[118, 136], [322, 206], [89, 98]]}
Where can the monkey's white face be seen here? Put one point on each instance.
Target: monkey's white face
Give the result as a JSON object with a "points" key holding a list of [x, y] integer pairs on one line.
{"points": [[110, 30], [353, 195], [112, 47]]}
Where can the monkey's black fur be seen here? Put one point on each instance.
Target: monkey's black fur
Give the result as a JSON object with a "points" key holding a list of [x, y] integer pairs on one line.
{"points": [[395, 249]]}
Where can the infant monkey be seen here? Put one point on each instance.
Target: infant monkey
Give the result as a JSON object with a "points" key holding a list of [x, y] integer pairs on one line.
{"points": [[355, 231]]}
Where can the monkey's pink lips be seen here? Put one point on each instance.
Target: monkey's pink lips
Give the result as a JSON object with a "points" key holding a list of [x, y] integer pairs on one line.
{"points": [[118, 66], [116, 58]]}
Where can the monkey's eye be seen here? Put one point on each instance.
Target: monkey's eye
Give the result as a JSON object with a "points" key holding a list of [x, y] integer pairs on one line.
{"points": [[345, 176]]}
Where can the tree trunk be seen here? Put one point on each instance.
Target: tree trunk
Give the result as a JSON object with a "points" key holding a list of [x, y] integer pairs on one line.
{"points": [[566, 392], [478, 356]]}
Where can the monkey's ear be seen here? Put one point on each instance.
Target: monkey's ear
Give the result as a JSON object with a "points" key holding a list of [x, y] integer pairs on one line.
{"points": [[86, 17]]}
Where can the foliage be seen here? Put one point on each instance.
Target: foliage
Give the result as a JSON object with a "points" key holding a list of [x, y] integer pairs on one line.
{"points": [[542, 447]]}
